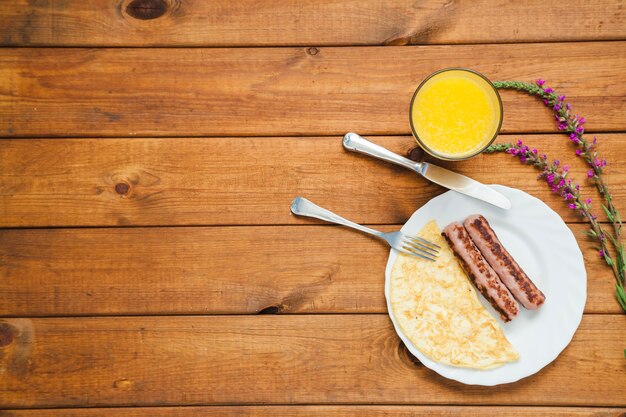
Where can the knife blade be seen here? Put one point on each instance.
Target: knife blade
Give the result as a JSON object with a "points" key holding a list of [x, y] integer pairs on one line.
{"points": [[464, 185], [438, 175]]}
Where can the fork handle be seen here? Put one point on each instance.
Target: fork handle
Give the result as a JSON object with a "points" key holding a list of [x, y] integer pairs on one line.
{"points": [[303, 207]]}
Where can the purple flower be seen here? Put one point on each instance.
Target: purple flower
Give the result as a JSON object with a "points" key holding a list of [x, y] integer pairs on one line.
{"points": [[588, 201], [595, 140], [601, 253], [540, 82], [561, 98], [569, 106], [556, 107], [569, 196], [572, 206], [522, 159], [535, 151], [562, 126], [590, 173], [544, 156], [579, 129], [579, 152], [582, 120], [561, 183], [546, 102], [550, 178], [520, 143], [548, 90], [566, 168], [556, 163]]}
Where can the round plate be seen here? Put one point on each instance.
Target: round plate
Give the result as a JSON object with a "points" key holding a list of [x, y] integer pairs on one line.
{"points": [[546, 249]]}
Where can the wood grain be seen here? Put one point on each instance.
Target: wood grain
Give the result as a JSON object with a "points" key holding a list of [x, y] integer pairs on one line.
{"points": [[245, 181], [320, 359], [324, 411], [285, 91], [292, 22], [307, 269]]}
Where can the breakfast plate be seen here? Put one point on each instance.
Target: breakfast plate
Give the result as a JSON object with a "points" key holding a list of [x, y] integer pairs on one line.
{"points": [[546, 249]]}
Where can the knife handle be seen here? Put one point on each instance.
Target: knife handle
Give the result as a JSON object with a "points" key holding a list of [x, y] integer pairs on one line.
{"points": [[356, 143]]}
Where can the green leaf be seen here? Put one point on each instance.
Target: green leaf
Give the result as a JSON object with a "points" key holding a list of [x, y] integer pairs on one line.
{"points": [[608, 213], [621, 261], [621, 296], [612, 240]]}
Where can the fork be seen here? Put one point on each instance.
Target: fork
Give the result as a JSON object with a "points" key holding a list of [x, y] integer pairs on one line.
{"points": [[411, 245]]}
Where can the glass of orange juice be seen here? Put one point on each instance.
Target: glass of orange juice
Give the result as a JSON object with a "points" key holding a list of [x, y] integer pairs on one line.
{"points": [[455, 114]]}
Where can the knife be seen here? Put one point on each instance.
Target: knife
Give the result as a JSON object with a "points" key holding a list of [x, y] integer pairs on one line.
{"points": [[444, 177]]}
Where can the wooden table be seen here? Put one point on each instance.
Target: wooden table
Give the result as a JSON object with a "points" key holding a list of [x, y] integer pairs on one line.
{"points": [[149, 265]]}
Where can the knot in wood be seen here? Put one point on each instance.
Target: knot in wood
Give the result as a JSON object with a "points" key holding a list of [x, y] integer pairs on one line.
{"points": [[123, 384], [312, 51], [146, 9], [7, 334], [122, 188], [416, 154], [407, 356], [274, 309]]}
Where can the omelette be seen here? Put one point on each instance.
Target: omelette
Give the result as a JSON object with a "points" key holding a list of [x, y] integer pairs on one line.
{"points": [[438, 310]]}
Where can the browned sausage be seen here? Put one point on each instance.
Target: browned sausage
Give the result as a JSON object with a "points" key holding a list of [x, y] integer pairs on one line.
{"points": [[514, 277], [480, 273]]}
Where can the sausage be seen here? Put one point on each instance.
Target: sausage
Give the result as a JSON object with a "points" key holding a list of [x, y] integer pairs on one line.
{"points": [[511, 274], [480, 273]]}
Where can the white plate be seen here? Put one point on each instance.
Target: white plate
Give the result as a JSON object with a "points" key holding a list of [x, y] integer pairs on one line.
{"points": [[546, 249]]}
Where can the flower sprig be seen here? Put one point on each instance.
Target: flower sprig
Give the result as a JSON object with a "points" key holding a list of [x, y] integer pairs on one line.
{"points": [[573, 126], [611, 248]]}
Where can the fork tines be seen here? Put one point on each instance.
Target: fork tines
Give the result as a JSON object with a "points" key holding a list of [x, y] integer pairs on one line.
{"points": [[421, 247]]}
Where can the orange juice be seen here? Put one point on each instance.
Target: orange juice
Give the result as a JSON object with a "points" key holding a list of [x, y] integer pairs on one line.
{"points": [[455, 114]]}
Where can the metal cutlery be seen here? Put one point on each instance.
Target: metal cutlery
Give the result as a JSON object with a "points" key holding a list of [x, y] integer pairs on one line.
{"points": [[434, 173], [411, 245]]}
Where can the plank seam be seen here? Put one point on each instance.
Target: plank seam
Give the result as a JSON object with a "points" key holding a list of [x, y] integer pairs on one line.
{"points": [[307, 45], [338, 404], [197, 315], [325, 135], [239, 225]]}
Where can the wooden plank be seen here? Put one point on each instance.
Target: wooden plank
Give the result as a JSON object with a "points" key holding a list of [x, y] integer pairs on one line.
{"points": [[248, 23], [320, 359], [323, 411], [285, 91], [202, 181], [308, 269]]}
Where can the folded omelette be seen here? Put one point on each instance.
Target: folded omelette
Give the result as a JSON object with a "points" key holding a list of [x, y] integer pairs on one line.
{"points": [[439, 311]]}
